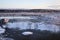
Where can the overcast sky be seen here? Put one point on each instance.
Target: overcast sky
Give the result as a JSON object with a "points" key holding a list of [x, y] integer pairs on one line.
{"points": [[29, 4]]}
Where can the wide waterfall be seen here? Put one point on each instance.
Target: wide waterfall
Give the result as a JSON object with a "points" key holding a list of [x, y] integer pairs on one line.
{"points": [[37, 23]]}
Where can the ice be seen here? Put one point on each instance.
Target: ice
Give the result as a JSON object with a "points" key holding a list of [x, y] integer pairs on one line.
{"points": [[27, 33]]}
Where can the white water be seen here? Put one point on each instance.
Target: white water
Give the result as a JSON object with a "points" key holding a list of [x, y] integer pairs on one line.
{"points": [[37, 25], [41, 26]]}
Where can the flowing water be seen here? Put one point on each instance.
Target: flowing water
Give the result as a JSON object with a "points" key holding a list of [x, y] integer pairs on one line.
{"points": [[29, 25], [42, 22], [34, 23]]}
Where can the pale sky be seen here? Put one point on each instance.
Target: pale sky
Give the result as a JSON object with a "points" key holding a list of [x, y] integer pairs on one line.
{"points": [[29, 4]]}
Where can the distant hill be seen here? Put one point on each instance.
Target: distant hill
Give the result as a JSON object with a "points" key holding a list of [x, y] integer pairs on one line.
{"points": [[30, 10]]}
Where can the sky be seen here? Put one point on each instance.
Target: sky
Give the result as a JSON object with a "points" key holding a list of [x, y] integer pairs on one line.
{"points": [[29, 4]]}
